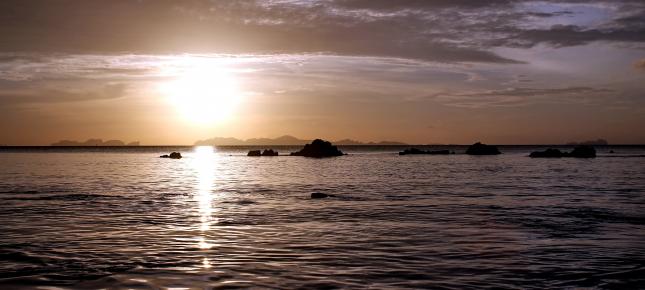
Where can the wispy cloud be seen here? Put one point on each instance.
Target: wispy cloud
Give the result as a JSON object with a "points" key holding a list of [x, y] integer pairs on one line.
{"points": [[106, 92], [518, 96]]}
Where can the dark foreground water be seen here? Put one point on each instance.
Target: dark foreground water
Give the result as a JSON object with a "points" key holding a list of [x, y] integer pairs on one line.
{"points": [[122, 218]]}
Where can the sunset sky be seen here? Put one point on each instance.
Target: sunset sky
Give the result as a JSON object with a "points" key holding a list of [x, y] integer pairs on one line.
{"points": [[417, 71]]}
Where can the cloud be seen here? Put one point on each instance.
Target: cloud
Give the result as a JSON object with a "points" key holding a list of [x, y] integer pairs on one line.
{"points": [[417, 4], [572, 35], [438, 30], [106, 92], [518, 96]]}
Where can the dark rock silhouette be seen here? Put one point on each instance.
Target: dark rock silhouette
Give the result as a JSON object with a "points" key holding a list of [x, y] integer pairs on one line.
{"points": [[548, 153], [318, 149], [315, 195], [413, 151], [266, 152], [582, 151], [173, 155], [482, 149]]}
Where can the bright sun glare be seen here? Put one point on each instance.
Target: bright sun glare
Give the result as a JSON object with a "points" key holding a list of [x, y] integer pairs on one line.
{"points": [[203, 94]]}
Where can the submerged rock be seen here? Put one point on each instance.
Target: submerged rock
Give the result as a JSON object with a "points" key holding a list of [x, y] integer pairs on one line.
{"points": [[318, 148], [173, 155], [582, 151], [419, 151], [482, 149]]}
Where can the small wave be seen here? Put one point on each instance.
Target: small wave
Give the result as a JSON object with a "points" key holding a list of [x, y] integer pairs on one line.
{"points": [[240, 202], [602, 215], [64, 197]]}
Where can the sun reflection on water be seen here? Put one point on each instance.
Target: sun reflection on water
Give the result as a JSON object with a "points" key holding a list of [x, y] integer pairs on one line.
{"points": [[204, 165]]}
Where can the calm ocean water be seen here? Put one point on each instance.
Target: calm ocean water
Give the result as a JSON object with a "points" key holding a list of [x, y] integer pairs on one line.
{"points": [[87, 218]]}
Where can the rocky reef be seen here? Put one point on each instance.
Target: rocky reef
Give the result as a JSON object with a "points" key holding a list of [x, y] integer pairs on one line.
{"points": [[582, 151], [266, 152], [318, 149], [482, 149], [173, 155]]}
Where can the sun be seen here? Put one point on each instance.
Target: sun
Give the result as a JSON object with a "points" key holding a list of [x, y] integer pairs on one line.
{"points": [[204, 95]]}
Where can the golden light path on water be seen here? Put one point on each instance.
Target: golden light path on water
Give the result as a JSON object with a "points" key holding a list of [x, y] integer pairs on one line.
{"points": [[203, 162]]}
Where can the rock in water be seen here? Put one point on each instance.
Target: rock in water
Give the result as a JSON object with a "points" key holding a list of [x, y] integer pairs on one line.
{"points": [[174, 155], [583, 151], [319, 195], [482, 149], [269, 152], [266, 152], [548, 153], [318, 148]]}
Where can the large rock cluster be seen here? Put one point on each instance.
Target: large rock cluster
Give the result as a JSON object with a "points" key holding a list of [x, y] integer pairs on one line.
{"points": [[318, 149]]}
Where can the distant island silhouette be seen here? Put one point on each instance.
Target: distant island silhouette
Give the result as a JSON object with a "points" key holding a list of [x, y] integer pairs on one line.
{"points": [[94, 142], [282, 140]]}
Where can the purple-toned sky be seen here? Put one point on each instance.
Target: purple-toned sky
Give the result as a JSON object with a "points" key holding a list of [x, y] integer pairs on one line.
{"points": [[417, 71]]}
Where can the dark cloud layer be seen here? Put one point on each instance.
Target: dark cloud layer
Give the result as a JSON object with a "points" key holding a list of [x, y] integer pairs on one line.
{"points": [[436, 30]]}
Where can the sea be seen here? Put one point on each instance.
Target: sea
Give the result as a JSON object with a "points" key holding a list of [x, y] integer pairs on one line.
{"points": [[123, 218]]}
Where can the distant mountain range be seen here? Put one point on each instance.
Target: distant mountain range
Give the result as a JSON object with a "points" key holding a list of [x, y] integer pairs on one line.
{"points": [[94, 142], [283, 140]]}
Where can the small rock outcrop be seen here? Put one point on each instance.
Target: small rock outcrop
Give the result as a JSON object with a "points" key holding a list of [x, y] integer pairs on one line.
{"points": [[318, 149], [266, 152], [315, 195], [413, 151], [482, 149], [582, 151], [173, 155], [269, 152]]}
